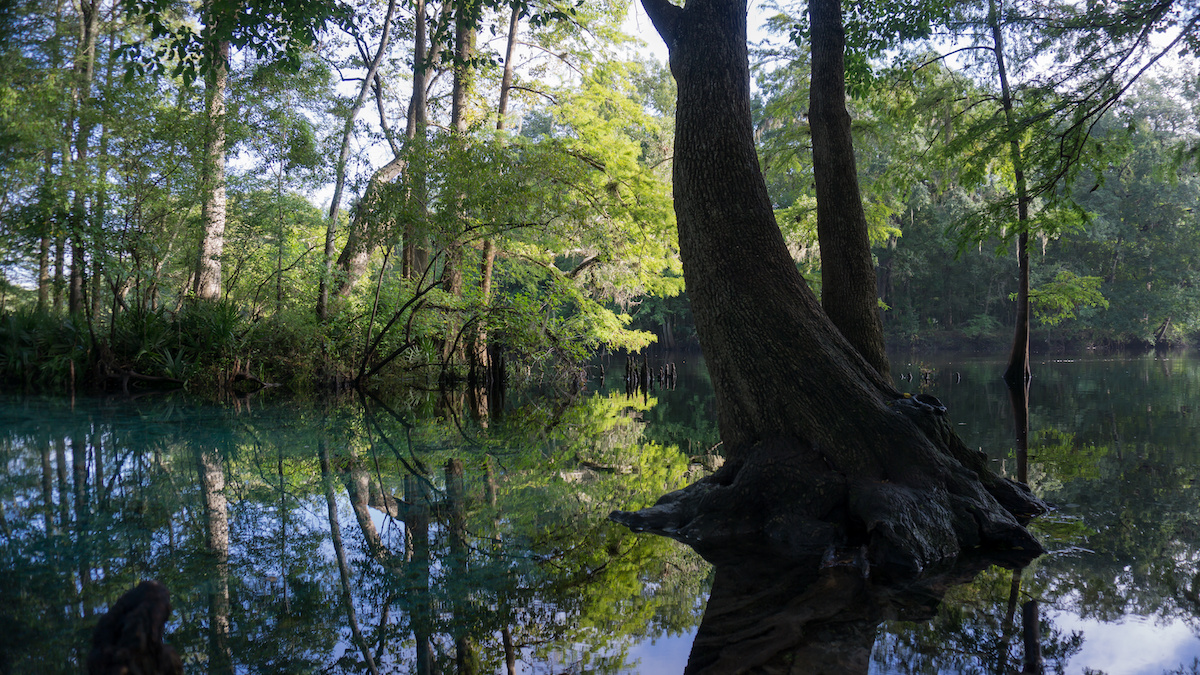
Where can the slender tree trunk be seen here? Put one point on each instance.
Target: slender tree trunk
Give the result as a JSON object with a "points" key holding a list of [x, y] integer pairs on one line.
{"points": [[464, 49], [1018, 360], [44, 278], [487, 260], [84, 73], [821, 449], [75, 297], [414, 256], [207, 283], [848, 289], [343, 156], [335, 532], [60, 251]]}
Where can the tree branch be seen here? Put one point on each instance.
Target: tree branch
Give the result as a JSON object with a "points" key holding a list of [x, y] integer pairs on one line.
{"points": [[665, 17]]}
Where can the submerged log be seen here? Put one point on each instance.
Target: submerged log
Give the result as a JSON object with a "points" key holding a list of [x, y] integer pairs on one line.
{"points": [[129, 638]]}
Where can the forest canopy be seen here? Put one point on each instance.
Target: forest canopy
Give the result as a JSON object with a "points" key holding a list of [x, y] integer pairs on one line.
{"points": [[194, 192]]}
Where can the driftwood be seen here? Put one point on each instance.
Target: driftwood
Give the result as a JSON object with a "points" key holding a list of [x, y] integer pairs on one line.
{"points": [[129, 638]]}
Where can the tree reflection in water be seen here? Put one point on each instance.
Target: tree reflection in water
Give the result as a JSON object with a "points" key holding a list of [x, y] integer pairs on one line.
{"points": [[810, 619], [349, 536], [520, 566]]}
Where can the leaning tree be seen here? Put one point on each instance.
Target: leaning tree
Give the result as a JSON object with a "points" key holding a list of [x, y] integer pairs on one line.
{"points": [[821, 450]]}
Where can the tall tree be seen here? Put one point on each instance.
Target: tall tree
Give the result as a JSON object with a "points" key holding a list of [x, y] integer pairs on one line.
{"points": [[81, 88], [1017, 371], [848, 290], [207, 285], [272, 31], [335, 203], [821, 449]]}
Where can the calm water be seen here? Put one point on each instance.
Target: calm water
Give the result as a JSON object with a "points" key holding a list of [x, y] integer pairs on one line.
{"points": [[423, 533]]}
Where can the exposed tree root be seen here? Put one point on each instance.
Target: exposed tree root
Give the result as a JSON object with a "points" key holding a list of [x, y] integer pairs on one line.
{"points": [[937, 500]]}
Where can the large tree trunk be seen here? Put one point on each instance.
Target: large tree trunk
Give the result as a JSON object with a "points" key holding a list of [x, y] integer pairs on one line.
{"points": [[821, 449], [848, 289], [212, 241]]}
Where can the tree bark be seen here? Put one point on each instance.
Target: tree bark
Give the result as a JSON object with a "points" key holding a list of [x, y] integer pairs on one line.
{"points": [[84, 73], [487, 258], [464, 49], [848, 289], [1018, 360], [361, 238], [212, 241], [821, 449], [414, 256]]}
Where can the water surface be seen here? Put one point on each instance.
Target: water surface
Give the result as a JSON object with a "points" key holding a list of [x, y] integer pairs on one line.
{"points": [[423, 533]]}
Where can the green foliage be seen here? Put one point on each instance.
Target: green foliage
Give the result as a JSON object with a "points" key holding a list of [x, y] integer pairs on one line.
{"points": [[980, 325], [1059, 299], [38, 350]]}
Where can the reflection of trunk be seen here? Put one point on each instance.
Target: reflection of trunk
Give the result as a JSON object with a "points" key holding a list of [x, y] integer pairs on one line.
{"points": [[358, 488], [490, 487], [283, 522], [216, 527], [771, 619], [47, 489], [1006, 627], [60, 460], [466, 654], [510, 653], [1032, 634], [335, 533], [848, 291], [79, 452], [1018, 394], [416, 525]]}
